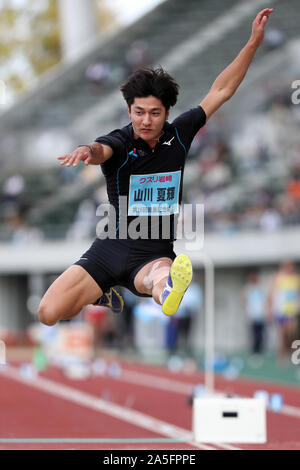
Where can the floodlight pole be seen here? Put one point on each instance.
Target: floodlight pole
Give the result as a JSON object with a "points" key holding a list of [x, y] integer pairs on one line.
{"points": [[209, 322], [78, 27]]}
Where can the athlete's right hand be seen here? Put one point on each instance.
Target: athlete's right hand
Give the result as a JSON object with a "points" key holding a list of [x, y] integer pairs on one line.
{"points": [[81, 154]]}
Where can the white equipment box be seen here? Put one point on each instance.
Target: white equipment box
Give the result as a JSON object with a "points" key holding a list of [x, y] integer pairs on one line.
{"points": [[229, 420]]}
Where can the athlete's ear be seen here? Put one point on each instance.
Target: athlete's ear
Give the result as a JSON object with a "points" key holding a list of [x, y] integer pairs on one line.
{"points": [[167, 114]]}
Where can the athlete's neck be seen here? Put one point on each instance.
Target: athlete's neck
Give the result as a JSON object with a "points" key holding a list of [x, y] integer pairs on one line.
{"points": [[151, 142]]}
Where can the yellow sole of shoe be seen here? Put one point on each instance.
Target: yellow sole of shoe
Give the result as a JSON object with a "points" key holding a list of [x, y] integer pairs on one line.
{"points": [[181, 275]]}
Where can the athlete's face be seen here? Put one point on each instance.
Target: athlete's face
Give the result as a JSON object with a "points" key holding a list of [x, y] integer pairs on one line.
{"points": [[148, 116]]}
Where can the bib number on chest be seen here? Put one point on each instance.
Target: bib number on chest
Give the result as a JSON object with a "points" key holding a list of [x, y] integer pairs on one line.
{"points": [[154, 194]]}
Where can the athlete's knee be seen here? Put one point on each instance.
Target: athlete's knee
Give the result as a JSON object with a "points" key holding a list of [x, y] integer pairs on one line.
{"points": [[157, 275], [48, 314]]}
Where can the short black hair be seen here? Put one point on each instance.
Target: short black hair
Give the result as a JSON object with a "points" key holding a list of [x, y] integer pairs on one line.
{"points": [[146, 82]]}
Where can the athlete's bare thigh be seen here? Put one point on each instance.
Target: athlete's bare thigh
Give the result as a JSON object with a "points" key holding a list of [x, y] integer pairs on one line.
{"points": [[68, 294]]}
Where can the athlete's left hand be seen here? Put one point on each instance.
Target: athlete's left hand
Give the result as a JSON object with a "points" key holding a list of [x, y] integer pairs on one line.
{"points": [[258, 26]]}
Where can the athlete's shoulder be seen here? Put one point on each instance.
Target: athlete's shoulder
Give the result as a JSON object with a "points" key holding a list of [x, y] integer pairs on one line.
{"points": [[193, 116], [118, 139], [189, 123], [123, 133]]}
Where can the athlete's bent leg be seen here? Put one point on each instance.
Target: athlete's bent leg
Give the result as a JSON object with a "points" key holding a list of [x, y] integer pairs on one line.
{"points": [[68, 294], [152, 277], [166, 281]]}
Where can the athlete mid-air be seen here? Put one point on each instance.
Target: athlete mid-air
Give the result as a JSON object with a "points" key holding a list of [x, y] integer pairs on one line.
{"points": [[143, 164]]}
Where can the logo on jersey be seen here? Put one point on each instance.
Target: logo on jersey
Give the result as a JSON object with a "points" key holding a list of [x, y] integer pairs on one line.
{"points": [[133, 153], [168, 142]]}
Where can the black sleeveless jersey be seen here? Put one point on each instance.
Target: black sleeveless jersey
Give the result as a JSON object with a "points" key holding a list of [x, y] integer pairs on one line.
{"points": [[144, 185]]}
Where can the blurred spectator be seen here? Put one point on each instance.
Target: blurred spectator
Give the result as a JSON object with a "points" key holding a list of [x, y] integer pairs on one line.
{"points": [[251, 217], [103, 325], [217, 176], [263, 153], [289, 210], [25, 235], [274, 37], [254, 303], [270, 220], [137, 56], [199, 142], [149, 326], [179, 326], [21, 233], [69, 175], [293, 187], [84, 223], [127, 326], [98, 74], [191, 305], [172, 332], [13, 188], [96, 317], [283, 306]]}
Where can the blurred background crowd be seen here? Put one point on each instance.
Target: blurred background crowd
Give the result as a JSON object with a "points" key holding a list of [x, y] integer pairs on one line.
{"points": [[249, 180]]}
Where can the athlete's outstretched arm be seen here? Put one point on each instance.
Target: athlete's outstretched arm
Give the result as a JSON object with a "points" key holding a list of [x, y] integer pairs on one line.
{"points": [[228, 81], [91, 154]]}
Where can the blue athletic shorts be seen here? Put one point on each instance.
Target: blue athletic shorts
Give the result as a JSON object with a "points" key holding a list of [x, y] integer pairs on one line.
{"points": [[117, 262]]}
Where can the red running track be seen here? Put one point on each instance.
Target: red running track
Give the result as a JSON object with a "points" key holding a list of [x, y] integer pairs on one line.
{"points": [[145, 408]]}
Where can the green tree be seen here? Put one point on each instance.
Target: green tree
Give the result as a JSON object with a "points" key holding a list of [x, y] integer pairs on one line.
{"points": [[30, 39], [107, 19], [43, 45]]}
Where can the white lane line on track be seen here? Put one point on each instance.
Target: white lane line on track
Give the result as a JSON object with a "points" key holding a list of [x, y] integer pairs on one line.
{"points": [[72, 440], [291, 411], [154, 381], [170, 385], [119, 412]]}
